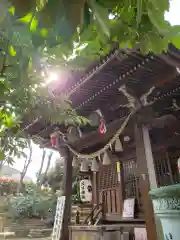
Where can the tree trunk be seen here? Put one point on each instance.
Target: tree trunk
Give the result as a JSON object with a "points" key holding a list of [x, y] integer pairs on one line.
{"points": [[1, 165], [25, 168], [46, 171], [19, 190], [41, 168]]}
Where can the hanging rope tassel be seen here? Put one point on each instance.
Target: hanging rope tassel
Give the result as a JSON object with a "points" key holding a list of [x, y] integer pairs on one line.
{"points": [[75, 162], [106, 159], [95, 165], [118, 145], [84, 166]]}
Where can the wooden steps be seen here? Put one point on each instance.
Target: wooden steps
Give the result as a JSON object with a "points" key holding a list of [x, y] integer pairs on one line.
{"points": [[39, 233]]}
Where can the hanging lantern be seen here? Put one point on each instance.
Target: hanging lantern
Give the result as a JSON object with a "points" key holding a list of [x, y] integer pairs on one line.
{"points": [[54, 140], [75, 162], [118, 145], [178, 163], [95, 165], [106, 159], [84, 166]]}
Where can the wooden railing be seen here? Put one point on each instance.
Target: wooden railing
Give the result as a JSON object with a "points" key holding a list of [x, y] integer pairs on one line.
{"points": [[79, 214], [94, 216]]}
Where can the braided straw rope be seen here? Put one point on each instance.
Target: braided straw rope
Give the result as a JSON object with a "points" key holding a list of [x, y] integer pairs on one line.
{"points": [[107, 146]]}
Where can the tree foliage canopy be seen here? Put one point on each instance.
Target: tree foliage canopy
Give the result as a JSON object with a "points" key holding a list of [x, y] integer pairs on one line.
{"points": [[62, 27]]}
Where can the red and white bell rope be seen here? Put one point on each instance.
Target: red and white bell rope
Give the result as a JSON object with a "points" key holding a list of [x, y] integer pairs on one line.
{"points": [[102, 127]]}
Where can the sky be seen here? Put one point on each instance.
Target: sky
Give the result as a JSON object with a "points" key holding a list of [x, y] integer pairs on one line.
{"points": [[173, 16]]}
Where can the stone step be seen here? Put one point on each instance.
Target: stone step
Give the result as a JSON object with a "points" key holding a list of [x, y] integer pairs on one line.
{"points": [[37, 233]]}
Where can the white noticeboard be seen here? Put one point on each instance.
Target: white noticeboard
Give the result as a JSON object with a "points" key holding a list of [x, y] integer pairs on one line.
{"points": [[58, 218], [128, 209], [140, 234]]}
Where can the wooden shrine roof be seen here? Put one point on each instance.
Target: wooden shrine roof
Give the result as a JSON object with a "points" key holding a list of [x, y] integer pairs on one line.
{"points": [[98, 87]]}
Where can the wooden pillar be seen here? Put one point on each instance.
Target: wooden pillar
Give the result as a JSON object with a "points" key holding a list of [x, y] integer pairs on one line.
{"points": [[67, 192], [147, 176], [95, 188], [121, 183]]}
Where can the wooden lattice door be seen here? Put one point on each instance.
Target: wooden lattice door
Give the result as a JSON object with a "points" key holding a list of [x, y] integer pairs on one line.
{"points": [[109, 189], [166, 167]]}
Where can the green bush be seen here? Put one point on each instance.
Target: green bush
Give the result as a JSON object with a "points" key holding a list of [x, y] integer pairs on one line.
{"points": [[32, 205]]}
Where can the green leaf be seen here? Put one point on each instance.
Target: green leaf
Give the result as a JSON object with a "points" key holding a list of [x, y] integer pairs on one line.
{"points": [[162, 5], [157, 44], [102, 16], [176, 41], [144, 44], [2, 156], [34, 25], [157, 19], [139, 11], [26, 19], [12, 10], [44, 32], [173, 32], [12, 51]]}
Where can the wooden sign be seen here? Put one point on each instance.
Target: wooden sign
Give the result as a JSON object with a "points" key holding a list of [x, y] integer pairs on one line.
{"points": [[58, 218], [140, 234], [128, 209]]}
